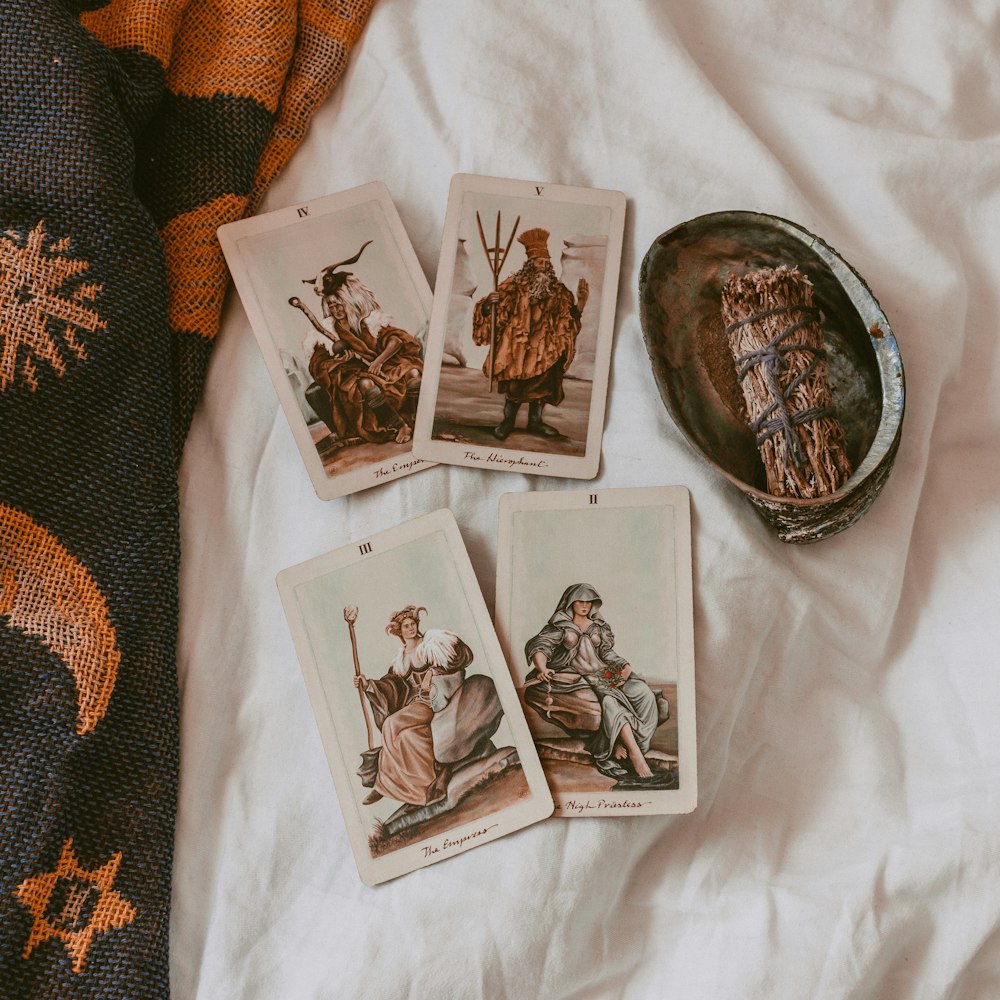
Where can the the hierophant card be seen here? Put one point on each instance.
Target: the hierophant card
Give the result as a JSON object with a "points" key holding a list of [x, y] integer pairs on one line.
{"points": [[521, 330], [594, 611], [340, 308], [425, 738]]}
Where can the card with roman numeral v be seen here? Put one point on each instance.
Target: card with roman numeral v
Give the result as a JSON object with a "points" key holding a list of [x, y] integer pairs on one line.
{"points": [[594, 611], [339, 306], [519, 347], [424, 735]]}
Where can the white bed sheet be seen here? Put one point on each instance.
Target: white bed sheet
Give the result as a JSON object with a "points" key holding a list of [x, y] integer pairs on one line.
{"points": [[847, 838]]}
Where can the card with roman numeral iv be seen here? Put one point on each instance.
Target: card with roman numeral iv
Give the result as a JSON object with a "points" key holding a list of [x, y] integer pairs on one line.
{"points": [[594, 611], [339, 306], [519, 347], [424, 735]]}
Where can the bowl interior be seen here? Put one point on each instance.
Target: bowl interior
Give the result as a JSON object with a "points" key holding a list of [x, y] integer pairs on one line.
{"points": [[680, 288]]}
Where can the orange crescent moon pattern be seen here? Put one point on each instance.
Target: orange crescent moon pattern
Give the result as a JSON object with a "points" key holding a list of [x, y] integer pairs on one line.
{"points": [[47, 592]]}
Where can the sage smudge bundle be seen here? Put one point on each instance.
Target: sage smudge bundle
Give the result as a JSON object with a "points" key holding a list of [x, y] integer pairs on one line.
{"points": [[776, 338]]}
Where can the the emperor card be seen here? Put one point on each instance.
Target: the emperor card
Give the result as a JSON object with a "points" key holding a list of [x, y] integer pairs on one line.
{"points": [[339, 306]]}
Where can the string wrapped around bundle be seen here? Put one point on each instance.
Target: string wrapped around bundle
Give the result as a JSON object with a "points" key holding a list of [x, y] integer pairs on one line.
{"points": [[776, 338]]}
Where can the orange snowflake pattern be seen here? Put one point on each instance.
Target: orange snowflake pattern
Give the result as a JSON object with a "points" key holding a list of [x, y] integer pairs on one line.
{"points": [[42, 308]]}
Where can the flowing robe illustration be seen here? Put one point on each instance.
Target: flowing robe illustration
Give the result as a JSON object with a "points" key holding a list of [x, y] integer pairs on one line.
{"points": [[431, 718], [368, 368], [536, 320], [342, 370], [580, 659]]}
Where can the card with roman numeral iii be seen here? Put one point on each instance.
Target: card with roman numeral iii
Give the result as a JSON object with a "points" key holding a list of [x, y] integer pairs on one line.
{"points": [[339, 306], [519, 347], [424, 735], [594, 611]]}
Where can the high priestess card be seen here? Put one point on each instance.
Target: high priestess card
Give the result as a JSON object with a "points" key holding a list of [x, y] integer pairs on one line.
{"points": [[520, 337], [424, 735], [339, 306], [594, 611]]}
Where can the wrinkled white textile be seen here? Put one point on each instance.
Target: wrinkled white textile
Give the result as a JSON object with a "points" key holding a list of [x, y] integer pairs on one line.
{"points": [[847, 839]]}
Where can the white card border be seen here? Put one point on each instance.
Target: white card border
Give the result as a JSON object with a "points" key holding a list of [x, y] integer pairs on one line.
{"points": [[498, 457], [230, 237], [667, 801], [538, 806]]}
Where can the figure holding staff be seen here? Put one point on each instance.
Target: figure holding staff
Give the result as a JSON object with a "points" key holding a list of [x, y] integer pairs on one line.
{"points": [[496, 261], [531, 321], [424, 682]]}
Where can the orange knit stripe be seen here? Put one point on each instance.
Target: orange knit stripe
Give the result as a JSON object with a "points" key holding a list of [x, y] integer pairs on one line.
{"points": [[327, 32], [8, 589], [241, 48], [285, 54], [149, 25], [196, 269], [237, 47]]}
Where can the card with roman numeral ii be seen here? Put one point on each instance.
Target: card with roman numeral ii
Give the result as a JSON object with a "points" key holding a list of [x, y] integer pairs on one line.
{"points": [[594, 611]]}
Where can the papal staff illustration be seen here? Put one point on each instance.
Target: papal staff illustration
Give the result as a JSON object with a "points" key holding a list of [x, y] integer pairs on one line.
{"points": [[351, 616], [496, 261]]}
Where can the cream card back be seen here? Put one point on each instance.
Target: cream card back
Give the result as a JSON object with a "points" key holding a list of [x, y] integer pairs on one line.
{"points": [[340, 307], [521, 330], [423, 731], [594, 610]]}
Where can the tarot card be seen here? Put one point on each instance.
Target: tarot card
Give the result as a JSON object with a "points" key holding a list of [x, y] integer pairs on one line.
{"points": [[339, 307], [519, 346], [594, 611], [429, 750]]}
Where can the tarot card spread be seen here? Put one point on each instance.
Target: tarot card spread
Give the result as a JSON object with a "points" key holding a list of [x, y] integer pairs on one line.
{"points": [[520, 344], [422, 729], [594, 610], [340, 307]]}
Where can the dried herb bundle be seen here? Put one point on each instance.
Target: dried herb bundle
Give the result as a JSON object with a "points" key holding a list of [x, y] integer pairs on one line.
{"points": [[775, 336]]}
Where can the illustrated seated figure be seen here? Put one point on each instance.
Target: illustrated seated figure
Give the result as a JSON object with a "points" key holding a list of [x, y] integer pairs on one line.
{"points": [[366, 370], [582, 685], [368, 391], [432, 717]]}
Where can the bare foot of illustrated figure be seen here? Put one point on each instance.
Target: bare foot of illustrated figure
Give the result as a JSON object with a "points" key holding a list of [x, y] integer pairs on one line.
{"points": [[635, 756]]}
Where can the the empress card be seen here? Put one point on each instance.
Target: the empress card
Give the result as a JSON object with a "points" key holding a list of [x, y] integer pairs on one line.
{"points": [[423, 731], [340, 308], [594, 611], [521, 329]]}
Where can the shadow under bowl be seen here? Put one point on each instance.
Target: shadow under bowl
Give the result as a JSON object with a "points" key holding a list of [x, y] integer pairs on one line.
{"points": [[680, 292]]}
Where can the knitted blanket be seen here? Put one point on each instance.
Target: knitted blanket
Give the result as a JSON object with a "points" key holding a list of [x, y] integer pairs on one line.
{"points": [[129, 131]]}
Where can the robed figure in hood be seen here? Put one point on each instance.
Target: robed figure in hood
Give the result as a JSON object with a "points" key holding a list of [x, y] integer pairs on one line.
{"points": [[575, 650]]}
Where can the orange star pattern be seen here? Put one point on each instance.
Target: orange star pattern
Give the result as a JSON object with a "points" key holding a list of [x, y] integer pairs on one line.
{"points": [[40, 314], [73, 904]]}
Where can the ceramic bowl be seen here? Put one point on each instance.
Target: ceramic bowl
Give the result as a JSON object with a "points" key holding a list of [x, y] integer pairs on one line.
{"points": [[680, 288]]}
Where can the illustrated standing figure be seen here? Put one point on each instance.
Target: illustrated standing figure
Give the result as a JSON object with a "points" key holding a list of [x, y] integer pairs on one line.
{"points": [[575, 649], [370, 368], [537, 321], [425, 675]]}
